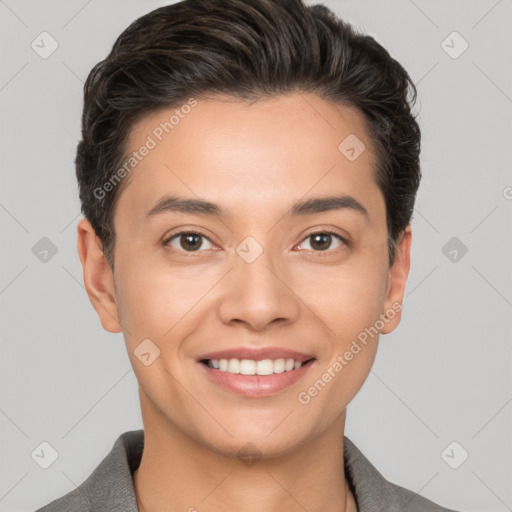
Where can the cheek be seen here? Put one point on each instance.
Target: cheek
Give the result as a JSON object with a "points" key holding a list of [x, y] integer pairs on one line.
{"points": [[157, 301], [348, 297], [349, 300], [350, 307]]}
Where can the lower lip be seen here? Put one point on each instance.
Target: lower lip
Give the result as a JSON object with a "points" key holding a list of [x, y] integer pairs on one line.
{"points": [[256, 386]]}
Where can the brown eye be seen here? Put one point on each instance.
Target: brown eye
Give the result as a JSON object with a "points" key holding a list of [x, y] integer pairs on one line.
{"points": [[187, 241], [322, 240]]}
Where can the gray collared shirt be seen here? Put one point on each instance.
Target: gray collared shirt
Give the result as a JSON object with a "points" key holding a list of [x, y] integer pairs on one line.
{"points": [[110, 486]]}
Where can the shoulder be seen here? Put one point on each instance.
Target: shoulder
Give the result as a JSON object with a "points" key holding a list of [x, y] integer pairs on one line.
{"points": [[74, 500], [376, 494], [110, 485]]}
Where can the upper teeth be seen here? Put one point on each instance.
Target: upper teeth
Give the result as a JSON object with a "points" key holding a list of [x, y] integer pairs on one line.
{"points": [[251, 367]]}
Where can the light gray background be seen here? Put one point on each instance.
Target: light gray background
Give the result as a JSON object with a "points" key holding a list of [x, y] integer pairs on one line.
{"points": [[444, 375]]}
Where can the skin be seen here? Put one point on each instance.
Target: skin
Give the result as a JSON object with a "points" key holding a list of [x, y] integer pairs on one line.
{"points": [[255, 160]]}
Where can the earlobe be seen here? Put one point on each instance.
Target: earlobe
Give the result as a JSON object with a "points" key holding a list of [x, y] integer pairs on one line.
{"points": [[397, 281], [97, 276]]}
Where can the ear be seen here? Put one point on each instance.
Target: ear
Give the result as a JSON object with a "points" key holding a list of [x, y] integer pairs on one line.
{"points": [[98, 277], [397, 279]]}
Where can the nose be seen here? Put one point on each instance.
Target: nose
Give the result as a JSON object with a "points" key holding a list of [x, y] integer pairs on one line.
{"points": [[258, 294]]}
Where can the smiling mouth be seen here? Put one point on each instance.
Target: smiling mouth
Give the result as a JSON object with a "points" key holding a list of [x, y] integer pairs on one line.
{"points": [[252, 367]]}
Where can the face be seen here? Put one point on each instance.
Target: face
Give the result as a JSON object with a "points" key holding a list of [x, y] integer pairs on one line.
{"points": [[272, 268]]}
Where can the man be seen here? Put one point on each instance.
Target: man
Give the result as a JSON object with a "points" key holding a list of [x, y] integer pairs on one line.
{"points": [[247, 172]]}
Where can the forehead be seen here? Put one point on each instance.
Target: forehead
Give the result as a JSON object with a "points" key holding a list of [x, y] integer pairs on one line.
{"points": [[233, 151]]}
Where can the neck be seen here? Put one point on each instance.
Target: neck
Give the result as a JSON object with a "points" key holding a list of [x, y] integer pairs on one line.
{"points": [[178, 473]]}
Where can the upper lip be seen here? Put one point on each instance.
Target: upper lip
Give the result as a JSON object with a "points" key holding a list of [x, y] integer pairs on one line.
{"points": [[257, 354]]}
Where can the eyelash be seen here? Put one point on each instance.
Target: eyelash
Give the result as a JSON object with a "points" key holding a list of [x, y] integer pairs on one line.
{"points": [[193, 253]]}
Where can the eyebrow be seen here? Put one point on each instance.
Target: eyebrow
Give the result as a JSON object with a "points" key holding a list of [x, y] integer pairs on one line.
{"points": [[171, 203]]}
